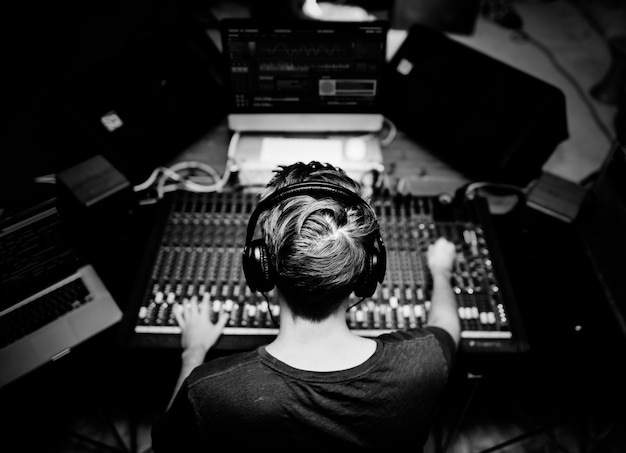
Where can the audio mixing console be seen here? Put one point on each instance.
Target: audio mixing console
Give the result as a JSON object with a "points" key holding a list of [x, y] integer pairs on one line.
{"points": [[198, 253]]}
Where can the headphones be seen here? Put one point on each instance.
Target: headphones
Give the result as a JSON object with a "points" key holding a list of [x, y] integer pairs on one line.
{"points": [[255, 261]]}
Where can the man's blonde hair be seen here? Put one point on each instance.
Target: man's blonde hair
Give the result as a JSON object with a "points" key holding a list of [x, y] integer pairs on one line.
{"points": [[317, 246]]}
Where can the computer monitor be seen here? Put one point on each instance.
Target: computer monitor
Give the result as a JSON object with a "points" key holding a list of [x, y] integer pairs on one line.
{"points": [[304, 76]]}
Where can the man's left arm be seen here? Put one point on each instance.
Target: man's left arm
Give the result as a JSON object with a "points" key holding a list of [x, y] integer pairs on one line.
{"points": [[198, 335]]}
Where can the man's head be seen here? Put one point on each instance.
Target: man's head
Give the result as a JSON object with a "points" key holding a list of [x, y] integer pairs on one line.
{"points": [[320, 245]]}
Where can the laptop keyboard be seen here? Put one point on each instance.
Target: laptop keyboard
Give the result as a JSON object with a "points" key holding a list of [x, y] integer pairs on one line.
{"points": [[43, 310]]}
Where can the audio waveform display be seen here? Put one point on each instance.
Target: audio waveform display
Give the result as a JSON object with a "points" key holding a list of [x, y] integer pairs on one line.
{"points": [[291, 66], [294, 49]]}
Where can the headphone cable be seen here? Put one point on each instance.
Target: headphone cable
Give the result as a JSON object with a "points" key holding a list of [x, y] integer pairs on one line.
{"points": [[269, 309], [355, 304]]}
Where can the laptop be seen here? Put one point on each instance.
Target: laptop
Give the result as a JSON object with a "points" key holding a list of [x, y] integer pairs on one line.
{"points": [[304, 90], [50, 302]]}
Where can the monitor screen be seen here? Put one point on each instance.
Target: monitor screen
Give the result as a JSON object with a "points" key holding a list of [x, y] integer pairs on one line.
{"points": [[304, 67]]}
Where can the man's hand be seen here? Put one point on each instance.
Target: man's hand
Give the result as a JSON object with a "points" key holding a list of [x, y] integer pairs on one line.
{"points": [[443, 310], [198, 333], [441, 256]]}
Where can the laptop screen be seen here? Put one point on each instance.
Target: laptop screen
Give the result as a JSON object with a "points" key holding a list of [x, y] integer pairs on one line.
{"points": [[304, 75], [35, 253]]}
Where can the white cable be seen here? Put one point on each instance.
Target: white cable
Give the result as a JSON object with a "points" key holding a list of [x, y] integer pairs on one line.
{"points": [[391, 135], [46, 179], [196, 165], [472, 187], [183, 182], [220, 183], [148, 182]]}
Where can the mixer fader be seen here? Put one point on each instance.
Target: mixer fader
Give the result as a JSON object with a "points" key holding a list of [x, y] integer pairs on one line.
{"points": [[198, 255]]}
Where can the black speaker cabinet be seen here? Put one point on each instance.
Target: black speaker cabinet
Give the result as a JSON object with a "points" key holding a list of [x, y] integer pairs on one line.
{"points": [[138, 102], [486, 119], [152, 99]]}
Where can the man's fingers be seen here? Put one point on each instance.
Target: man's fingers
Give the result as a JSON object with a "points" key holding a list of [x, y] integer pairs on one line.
{"points": [[178, 314], [204, 308], [222, 319]]}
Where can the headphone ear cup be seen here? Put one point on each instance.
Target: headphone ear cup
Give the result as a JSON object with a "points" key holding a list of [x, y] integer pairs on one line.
{"points": [[366, 285], [256, 267], [374, 272], [380, 259]]}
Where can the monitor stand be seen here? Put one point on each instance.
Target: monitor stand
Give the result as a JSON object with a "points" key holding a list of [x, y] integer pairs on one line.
{"points": [[256, 156]]}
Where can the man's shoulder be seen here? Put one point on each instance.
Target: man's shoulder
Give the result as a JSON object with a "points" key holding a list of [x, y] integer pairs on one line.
{"points": [[420, 338], [429, 333], [224, 366]]}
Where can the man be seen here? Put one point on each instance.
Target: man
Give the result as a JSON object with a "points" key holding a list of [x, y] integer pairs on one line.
{"points": [[317, 386]]}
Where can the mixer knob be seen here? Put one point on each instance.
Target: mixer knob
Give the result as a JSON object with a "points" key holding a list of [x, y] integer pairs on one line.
{"points": [[263, 314], [376, 317], [418, 310], [229, 305], [445, 198], [251, 312], [359, 317], [352, 317]]}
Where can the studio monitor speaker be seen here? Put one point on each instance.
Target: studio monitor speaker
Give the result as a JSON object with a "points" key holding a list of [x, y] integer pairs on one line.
{"points": [[136, 84], [152, 99], [488, 120]]}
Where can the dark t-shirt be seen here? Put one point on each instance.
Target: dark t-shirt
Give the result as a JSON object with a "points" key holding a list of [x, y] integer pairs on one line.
{"points": [[252, 400]]}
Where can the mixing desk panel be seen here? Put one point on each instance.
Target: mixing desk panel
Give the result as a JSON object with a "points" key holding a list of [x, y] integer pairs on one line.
{"points": [[198, 255]]}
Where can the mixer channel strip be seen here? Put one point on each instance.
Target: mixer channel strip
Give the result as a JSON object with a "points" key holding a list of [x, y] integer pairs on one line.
{"points": [[199, 257]]}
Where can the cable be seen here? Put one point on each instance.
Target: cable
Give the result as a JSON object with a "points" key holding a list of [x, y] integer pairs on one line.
{"points": [[269, 309], [356, 303], [468, 193], [391, 134], [46, 179], [162, 175], [525, 36], [148, 182], [200, 165]]}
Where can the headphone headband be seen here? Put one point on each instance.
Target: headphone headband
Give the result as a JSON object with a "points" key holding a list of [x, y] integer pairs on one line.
{"points": [[301, 188]]}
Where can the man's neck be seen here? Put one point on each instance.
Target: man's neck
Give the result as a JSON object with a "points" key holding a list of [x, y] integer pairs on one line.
{"points": [[328, 345]]}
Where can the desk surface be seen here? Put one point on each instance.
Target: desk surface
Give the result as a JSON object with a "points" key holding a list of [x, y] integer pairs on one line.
{"points": [[423, 172]]}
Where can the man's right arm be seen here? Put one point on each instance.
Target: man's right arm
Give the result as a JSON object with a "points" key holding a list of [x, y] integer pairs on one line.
{"points": [[443, 311]]}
